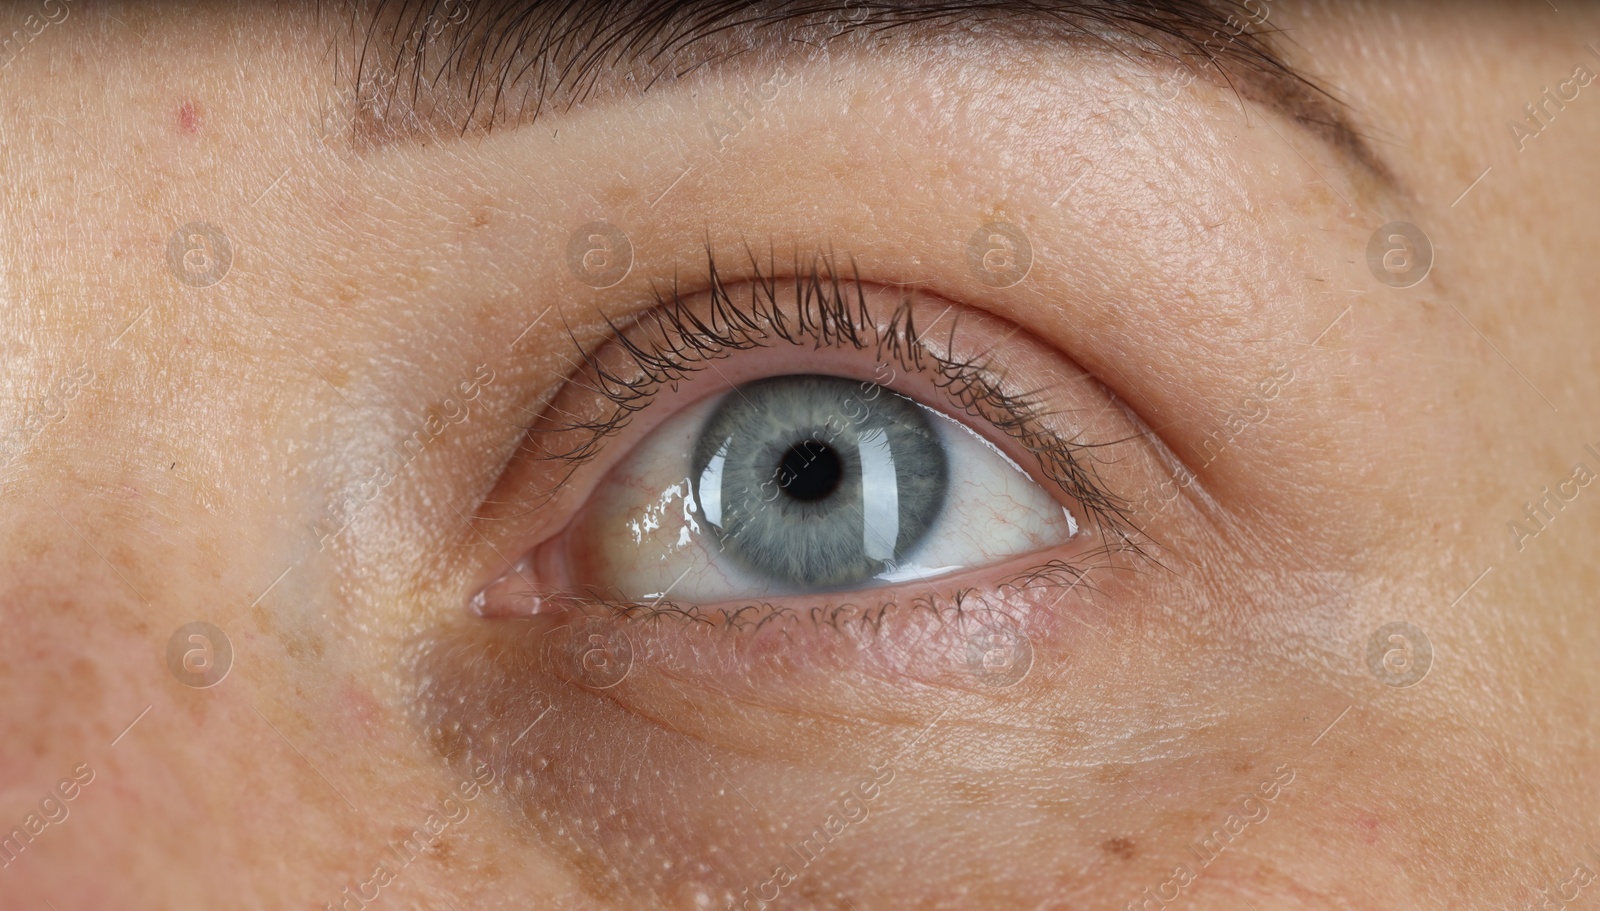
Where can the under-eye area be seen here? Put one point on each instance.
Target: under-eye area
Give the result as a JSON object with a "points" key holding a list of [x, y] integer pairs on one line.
{"points": [[678, 763]]}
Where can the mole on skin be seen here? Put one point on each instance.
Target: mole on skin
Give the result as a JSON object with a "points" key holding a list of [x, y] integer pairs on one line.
{"points": [[188, 118]]}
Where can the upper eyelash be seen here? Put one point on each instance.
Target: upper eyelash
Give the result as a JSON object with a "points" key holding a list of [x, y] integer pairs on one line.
{"points": [[830, 311]]}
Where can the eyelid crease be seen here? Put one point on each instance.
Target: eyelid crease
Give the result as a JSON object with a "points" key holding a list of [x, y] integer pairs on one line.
{"points": [[829, 311]]}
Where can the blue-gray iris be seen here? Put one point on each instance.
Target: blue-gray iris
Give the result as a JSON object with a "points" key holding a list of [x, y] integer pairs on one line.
{"points": [[818, 481]]}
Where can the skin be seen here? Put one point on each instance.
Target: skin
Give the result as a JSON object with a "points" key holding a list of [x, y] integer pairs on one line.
{"points": [[190, 477]]}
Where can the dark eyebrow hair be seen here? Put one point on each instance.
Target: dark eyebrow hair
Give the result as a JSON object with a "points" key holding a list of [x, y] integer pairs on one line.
{"points": [[427, 67]]}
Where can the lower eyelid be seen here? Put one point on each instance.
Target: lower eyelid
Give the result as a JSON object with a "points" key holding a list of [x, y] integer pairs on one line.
{"points": [[908, 632]]}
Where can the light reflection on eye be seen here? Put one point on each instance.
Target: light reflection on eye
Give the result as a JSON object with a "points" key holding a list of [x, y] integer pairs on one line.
{"points": [[799, 484]]}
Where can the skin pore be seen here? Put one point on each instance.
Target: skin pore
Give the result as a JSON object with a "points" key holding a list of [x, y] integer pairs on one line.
{"points": [[1302, 454]]}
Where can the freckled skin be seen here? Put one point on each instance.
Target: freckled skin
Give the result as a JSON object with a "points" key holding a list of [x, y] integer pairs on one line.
{"points": [[1213, 722]]}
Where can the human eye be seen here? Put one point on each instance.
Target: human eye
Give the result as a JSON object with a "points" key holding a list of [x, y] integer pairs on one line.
{"points": [[792, 484], [816, 447]]}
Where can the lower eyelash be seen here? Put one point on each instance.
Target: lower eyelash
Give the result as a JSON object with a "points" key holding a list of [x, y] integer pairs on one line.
{"points": [[828, 312], [925, 637], [964, 604], [756, 616]]}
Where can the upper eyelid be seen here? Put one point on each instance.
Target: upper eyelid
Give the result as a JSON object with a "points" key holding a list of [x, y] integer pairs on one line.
{"points": [[828, 310]]}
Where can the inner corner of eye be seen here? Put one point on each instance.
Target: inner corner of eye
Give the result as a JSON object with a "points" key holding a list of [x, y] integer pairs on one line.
{"points": [[803, 484]]}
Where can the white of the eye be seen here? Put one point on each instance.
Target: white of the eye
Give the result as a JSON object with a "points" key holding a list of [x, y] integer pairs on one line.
{"points": [[880, 496], [993, 510]]}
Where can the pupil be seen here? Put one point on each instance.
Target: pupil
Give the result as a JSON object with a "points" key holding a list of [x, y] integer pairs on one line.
{"points": [[809, 471]]}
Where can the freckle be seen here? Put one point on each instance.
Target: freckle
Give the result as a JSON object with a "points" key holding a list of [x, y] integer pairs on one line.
{"points": [[188, 118], [443, 854], [1112, 773], [1120, 847], [616, 195]]}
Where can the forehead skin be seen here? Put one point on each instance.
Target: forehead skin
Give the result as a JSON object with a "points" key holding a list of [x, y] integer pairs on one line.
{"points": [[173, 449]]}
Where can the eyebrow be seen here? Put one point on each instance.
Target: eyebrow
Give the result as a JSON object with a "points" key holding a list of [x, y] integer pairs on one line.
{"points": [[422, 68]]}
